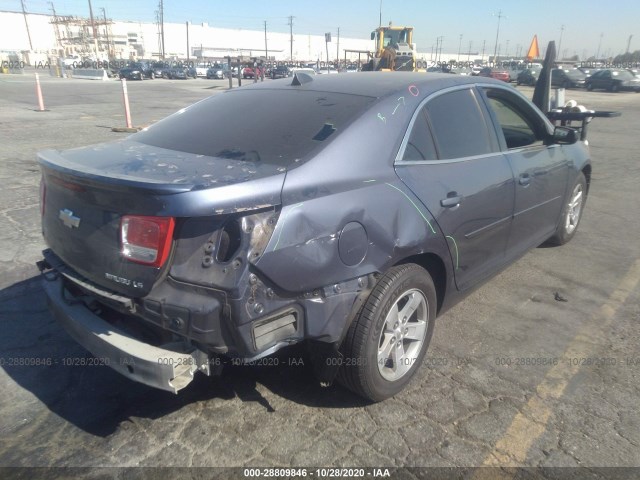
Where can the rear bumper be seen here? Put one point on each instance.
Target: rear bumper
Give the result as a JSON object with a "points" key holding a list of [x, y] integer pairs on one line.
{"points": [[154, 366]]}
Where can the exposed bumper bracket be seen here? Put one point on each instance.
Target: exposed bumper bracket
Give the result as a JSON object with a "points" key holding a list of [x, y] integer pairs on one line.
{"points": [[163, 368]]}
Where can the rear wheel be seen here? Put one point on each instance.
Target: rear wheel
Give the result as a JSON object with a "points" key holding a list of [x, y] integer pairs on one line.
{"points": [[589, 86], [571, 213], [615, 87], [388, 340]]}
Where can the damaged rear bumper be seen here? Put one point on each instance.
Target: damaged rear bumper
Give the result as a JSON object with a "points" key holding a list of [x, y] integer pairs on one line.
{"points": [[154, 366]]}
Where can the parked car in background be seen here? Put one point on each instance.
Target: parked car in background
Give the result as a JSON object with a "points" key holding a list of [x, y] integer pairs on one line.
{"points": [[613, 80], [201, 69], [197, 242], [160, 69], [218, 72], [528, 76], [325, 70], [442, 68], [180, 73], [307, 70], [281, 71], [462, 71], [588, 71], [567, 78], [137, 71], [250, 72], [497, 73]]}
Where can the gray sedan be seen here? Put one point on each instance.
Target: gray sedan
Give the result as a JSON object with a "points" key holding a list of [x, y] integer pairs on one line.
{"points": [[373, 204]]}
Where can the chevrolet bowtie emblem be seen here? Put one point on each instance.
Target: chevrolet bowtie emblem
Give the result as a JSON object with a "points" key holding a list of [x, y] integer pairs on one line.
{"points": [[69, 219]]}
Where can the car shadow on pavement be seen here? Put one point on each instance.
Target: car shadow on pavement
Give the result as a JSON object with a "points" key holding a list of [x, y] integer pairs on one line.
{"points": [[41, 358]]}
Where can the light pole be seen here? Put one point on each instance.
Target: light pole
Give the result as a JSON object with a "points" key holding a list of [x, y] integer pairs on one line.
{"points": [[599, 45], [560, 41], [459, 47], [495, 49]]}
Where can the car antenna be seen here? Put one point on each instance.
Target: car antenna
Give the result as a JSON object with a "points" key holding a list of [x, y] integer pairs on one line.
{"points": [[300, 77]]}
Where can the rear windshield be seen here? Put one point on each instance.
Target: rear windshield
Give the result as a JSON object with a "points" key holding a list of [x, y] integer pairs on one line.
{"points": [[622, 74], [575, 74], [277, 127]]}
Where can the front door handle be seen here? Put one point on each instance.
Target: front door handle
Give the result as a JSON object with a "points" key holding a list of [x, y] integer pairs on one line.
{"points": [[525, 179], [452, 200]]}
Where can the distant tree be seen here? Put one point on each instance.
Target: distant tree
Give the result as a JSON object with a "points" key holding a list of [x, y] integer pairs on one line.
{"points": [[628, 57]]}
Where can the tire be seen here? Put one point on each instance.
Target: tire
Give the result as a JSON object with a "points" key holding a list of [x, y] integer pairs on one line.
{"points": [[152, 76], [589, 87], [571, 213], [369, 368], [615, 87]]}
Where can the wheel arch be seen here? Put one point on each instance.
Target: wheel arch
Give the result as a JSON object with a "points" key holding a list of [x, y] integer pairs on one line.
{"points": [[436, 268]]}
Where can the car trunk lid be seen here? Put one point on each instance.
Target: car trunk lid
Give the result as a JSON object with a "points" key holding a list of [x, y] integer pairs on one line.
{"points": [[88, 191]]}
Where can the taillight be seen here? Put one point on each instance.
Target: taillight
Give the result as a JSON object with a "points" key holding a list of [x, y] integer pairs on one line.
{"points": [[43, 191], [146, 240]]}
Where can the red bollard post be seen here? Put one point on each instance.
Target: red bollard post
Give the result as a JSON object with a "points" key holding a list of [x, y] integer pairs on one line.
{"points": [[125, 96], [39, 94]]}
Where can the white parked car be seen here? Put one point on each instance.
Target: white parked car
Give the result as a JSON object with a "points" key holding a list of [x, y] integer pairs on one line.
{"points": [[201, 69]]}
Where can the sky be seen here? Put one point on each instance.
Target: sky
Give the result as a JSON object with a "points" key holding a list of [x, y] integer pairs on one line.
{"points": [[586, 26]]}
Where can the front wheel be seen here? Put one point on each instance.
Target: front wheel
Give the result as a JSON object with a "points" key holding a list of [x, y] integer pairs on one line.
{"points": [[589, 87], [387, 341], [571, 213]]}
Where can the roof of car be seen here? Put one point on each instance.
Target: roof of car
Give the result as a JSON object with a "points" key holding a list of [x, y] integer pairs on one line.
{"points": [[375, 84]]}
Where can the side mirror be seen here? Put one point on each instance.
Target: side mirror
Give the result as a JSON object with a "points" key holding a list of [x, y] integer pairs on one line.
{"points": [[373, 35], [565, 135]]}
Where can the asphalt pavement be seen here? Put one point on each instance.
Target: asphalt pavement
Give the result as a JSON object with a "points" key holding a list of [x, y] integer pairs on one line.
{"points": [[537, 368]]}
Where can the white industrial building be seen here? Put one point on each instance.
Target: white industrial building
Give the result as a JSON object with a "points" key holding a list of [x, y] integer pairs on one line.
{"points": [[68, 36]]}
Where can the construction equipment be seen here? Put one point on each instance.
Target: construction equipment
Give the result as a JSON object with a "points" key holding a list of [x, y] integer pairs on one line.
{"points": [[395, 50]]}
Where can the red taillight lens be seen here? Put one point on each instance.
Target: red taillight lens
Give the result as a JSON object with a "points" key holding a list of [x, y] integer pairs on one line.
{"points": [[146, 240]]}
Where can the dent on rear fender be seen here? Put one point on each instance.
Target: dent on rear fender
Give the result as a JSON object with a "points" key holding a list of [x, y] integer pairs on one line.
{"points": [[304, 251]]}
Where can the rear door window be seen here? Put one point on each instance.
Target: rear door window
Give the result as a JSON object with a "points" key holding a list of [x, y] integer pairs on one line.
{"points": [[420, 145], [458, 125]]}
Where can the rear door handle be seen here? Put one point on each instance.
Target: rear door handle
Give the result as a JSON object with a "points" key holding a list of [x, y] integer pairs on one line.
{"points": [[525, 179], [452, 200]]}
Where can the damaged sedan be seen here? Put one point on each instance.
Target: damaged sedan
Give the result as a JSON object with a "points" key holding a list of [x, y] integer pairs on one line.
{"points": [[370, 206]]}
